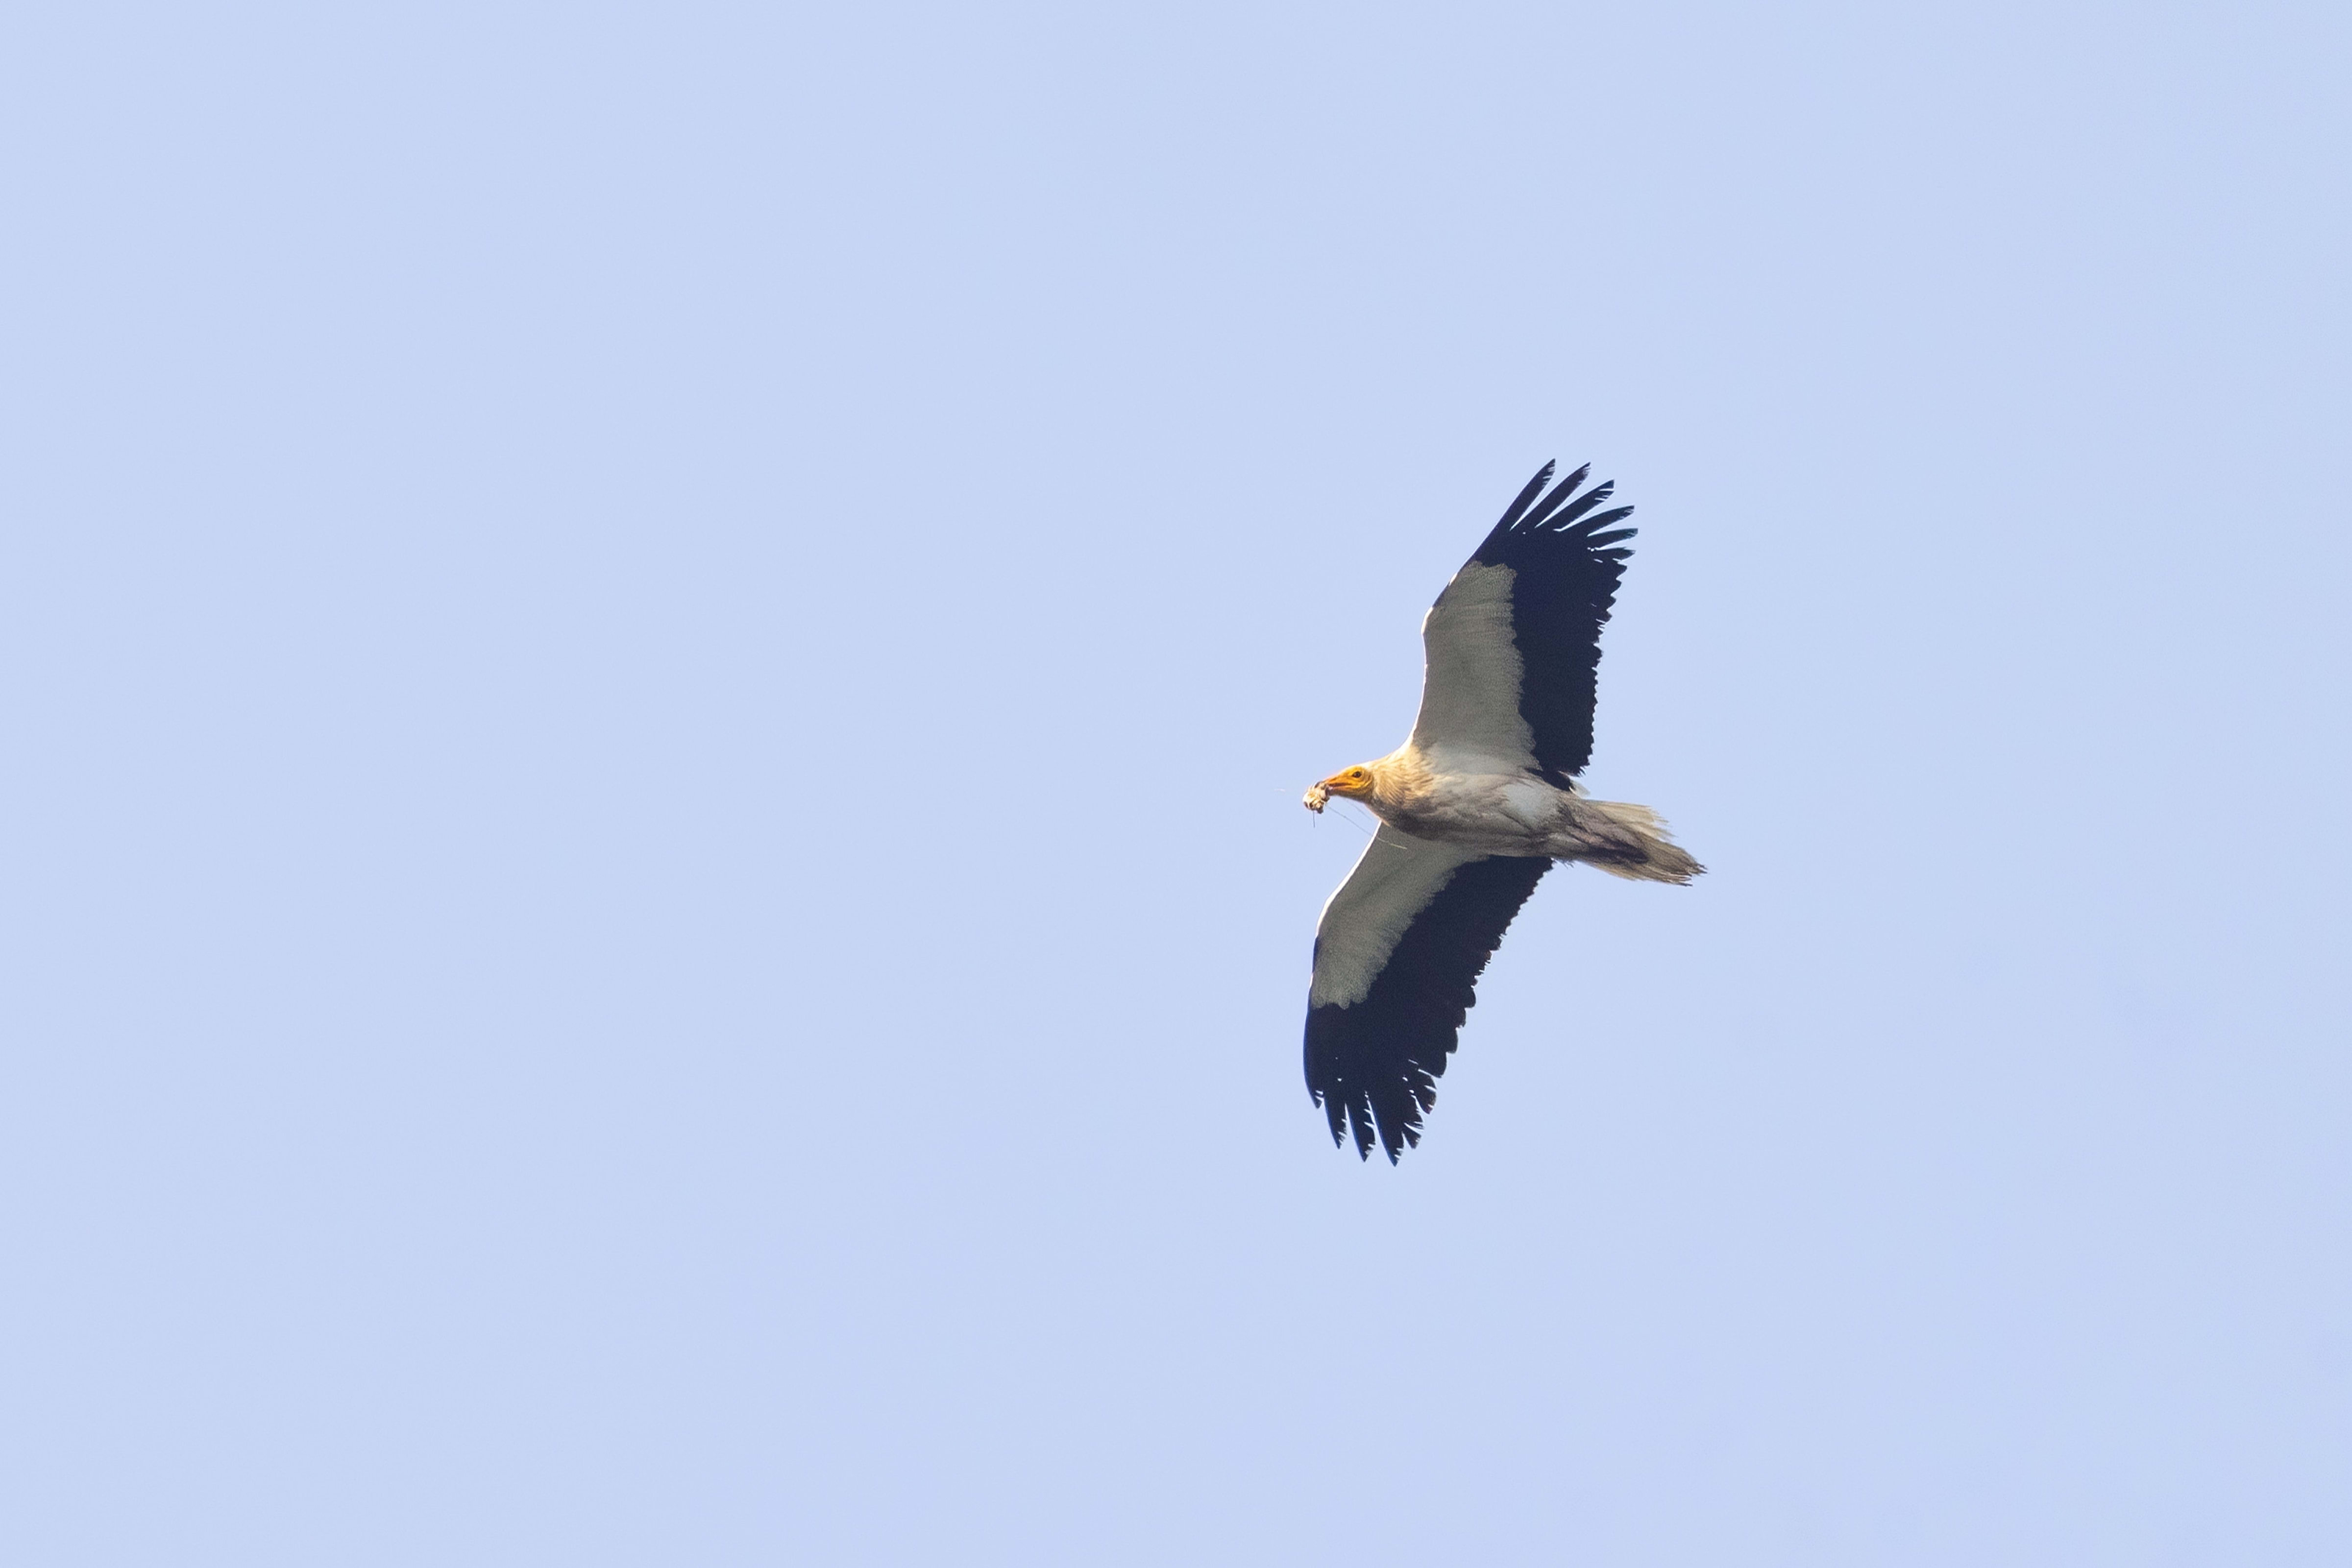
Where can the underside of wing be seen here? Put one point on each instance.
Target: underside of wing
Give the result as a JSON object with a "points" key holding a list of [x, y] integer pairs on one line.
{"points": [[1514, 642], [1397, 960]]}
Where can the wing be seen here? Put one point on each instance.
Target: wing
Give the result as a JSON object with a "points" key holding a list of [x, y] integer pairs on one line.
{"points": [[1514, 642], [1396, 955]]}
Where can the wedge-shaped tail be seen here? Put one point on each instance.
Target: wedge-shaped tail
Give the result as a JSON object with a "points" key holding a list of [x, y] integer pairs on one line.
{"points": [[1649, 854]]}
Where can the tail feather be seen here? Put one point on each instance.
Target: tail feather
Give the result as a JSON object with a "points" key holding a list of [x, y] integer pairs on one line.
{"points": [[1648, 853]]}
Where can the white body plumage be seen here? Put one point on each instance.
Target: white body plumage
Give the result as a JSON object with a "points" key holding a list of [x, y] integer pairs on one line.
{"points": [[1489, 807]]}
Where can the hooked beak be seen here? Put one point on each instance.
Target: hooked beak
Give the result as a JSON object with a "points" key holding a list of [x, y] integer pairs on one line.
{"points": [[1337, 784]]}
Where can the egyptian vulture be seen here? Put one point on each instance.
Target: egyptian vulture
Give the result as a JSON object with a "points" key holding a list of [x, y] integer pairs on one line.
{"points": [[1473, 808]]}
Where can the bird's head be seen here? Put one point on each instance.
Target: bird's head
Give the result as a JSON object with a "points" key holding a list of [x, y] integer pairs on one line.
{"points": [[1355, 783]]}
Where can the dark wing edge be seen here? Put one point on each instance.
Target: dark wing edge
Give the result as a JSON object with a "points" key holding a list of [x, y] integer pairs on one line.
{"points": [[1373, 1066], [1566, 562]]}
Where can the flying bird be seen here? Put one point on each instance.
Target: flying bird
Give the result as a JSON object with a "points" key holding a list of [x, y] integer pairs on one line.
{"points": [[1473, 808]]}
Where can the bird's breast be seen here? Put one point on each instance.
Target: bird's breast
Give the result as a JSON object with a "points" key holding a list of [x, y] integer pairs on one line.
{"points": [[1499, 813]]}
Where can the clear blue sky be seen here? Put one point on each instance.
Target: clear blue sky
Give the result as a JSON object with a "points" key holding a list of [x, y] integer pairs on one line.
{"points": [[657, 663]]}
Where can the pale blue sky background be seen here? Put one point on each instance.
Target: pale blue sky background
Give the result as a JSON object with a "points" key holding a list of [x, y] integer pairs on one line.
{"points": [[657, 666]]}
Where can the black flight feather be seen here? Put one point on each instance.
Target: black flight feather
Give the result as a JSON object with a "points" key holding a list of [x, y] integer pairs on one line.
{"points": [[1559, 511], [1517, 508]]}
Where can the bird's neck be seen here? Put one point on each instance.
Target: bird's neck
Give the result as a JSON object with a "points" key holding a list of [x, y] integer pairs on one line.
{"points": [[1399, 780]]}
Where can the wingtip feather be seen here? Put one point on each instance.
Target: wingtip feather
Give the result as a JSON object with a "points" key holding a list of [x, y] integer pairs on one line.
{"points": [[1526, 497]]}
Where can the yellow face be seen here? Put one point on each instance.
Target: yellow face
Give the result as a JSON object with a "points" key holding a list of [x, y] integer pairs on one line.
{"points": [[1348, 781]]}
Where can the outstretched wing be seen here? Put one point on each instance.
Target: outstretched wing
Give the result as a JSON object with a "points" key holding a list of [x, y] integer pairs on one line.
{"points": [[1396, 955], [1514, 642]]}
